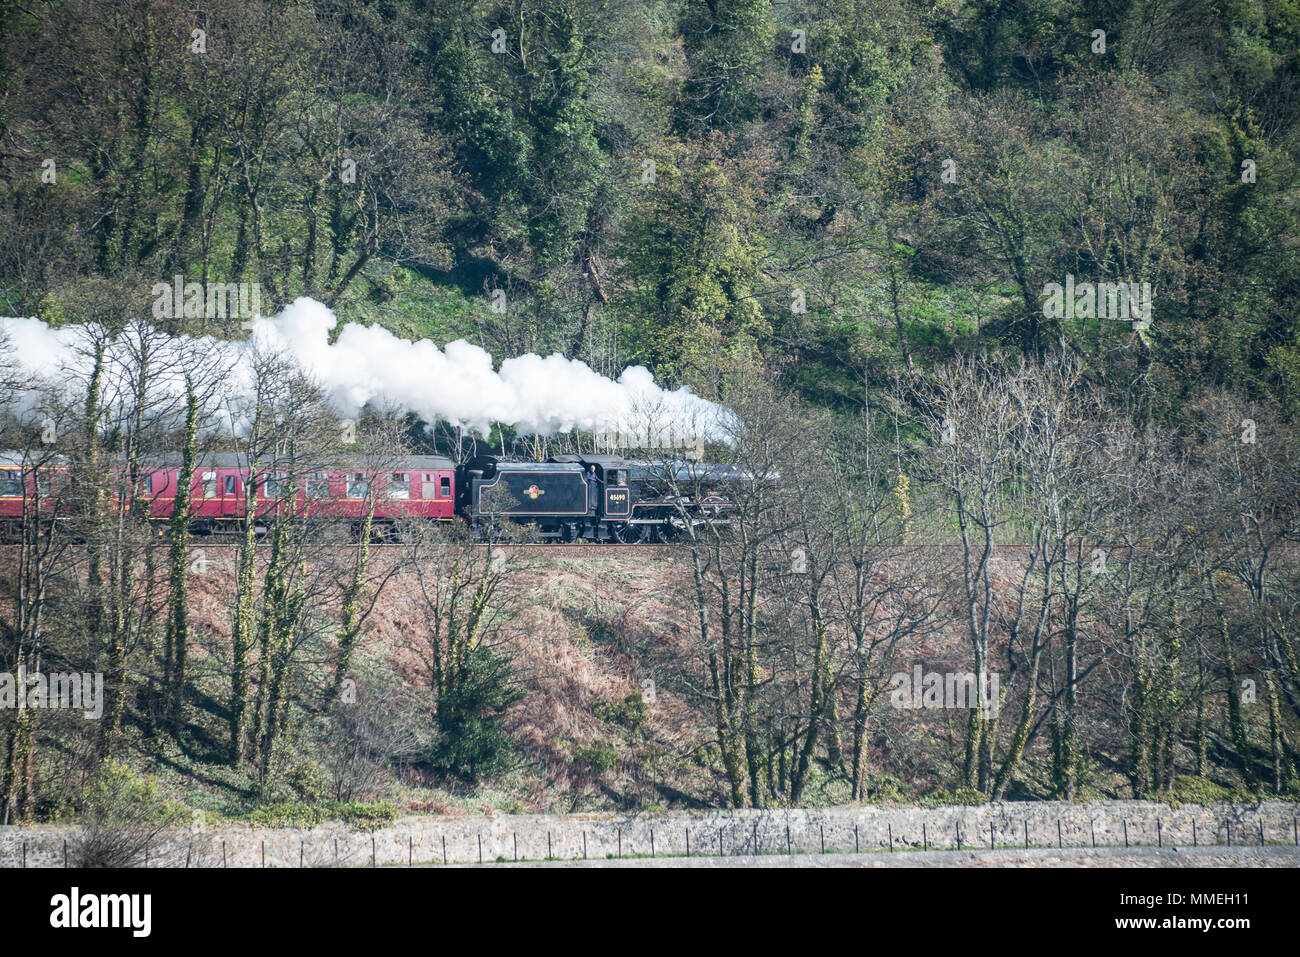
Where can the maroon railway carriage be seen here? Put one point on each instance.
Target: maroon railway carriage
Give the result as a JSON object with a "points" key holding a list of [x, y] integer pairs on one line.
{"points": [[36, 483], [414, 486], [419, 486]]}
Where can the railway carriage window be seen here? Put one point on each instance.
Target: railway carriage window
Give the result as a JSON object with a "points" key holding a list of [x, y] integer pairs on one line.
{"points": [[209, 484], [230, 485], [444, 486], [274, 483], [400, 486], [318, 485], [44, 484], [10, 483], [146, 485], [358, 487]]}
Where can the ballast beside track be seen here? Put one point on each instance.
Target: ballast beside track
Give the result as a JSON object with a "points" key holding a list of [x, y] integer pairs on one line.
{"points": [[590, 550], [569, 549], [541, 549]]}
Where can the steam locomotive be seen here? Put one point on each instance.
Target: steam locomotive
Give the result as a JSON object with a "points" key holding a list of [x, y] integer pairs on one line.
{"points": [[568, 498]]}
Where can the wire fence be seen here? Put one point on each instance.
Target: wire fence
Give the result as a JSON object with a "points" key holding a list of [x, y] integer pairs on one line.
{"points": [[742, 834]]}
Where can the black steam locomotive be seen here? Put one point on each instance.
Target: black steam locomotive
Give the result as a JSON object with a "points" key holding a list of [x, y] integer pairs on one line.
{"points": [[598, 498]]}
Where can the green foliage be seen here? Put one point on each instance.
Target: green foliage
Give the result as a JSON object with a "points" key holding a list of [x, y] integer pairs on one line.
{"points": [[472, 742], [599, 756], [961, 797], [696, 270], [725, 44], [363, 815], [885, 789], [119, 796], [631, 713], [121, 812], [308, 781], [1189, 789]]}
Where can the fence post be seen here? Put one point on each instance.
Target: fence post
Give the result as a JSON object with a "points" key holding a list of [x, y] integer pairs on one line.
{"points": [[516, 835], [990, 835], [891, 837], [264, 853], [620, 842], [548, 846], [1228, 825], [1059, 841], [25, 854], [652, 842], [1126, 832], [444, 848], [1026, 833], [1092, 828], [925, 837], [301, 851], [146, 852], [688, 840], [1261, 832], [223, 853], [821, 828], [1295, 829], [1160, 837], [1193, 832], [372, 850], [410, 850], [480, 847], [584, 845], [787, 841], [65, 852], [855, 839], [959, 835], [756, 837]]}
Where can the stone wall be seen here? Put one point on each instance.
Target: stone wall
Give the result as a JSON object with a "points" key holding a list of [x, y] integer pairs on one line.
{"points": [[843, 829]]}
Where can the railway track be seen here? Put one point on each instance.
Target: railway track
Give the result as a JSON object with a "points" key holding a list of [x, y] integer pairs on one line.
{"points": [[569, 549]]}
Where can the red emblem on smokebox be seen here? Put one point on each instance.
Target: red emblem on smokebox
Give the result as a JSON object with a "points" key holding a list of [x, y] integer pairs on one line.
{"points": [[533, 491]]}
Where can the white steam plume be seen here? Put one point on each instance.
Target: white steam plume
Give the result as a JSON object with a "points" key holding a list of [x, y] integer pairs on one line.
{"points": [[457, 384]]}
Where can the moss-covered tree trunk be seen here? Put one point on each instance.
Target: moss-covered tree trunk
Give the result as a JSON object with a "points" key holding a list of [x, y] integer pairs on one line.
{"points": [[350, 626], [245, 623], [178, 621]]}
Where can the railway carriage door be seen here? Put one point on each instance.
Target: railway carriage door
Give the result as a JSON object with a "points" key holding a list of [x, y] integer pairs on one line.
{"points": [[429, 487], [229, 487], [206, 501]]}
